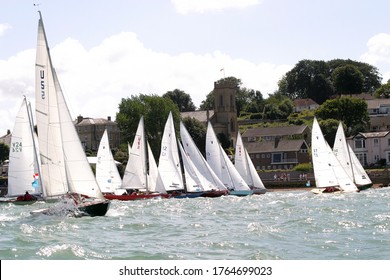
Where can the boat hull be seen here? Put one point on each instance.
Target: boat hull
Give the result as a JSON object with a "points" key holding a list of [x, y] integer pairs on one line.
{"points": [[125, 197], [241, 193], [258, 191], [364, 187], [95, 208], [187, 195], [215, 193]]}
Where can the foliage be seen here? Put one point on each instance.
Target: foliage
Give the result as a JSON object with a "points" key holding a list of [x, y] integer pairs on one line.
{"points": [[351, 111], [315, 79], [197, 130], [154, 109], [384, 90], [277, 106], [4, 151], [208, 103], [181, 99], [329, 128], [347, 80], [303, 167], [300, 118]]}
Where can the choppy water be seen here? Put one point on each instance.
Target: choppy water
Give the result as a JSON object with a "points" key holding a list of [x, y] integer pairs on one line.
{"points": [[288, 225]]}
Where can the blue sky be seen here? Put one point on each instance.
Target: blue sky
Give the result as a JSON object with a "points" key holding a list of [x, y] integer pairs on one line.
{"points": [[106, 50]]}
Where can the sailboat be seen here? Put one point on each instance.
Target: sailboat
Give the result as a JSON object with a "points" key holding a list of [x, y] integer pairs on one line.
{"points": [[169, 164], [137, 182], [107, 174], [66, 173], [349, 161], [329, 175], [245, 167], [23, 170], [212, 185], [223, 167]]}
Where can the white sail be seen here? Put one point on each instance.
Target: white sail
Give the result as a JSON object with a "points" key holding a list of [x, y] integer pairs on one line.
{"points": [[348, 159], [135, 176], [107, 174], [155, 182], [328, 172], [221, 164], [194, 180], [23, 169], [211, 180], [65, 167], [244, 165], [169, 162]]}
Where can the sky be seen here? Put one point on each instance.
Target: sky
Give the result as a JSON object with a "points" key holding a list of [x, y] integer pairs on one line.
{"points": [[104, 51]]}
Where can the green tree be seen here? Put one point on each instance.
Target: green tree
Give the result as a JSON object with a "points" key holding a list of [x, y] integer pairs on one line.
{"points": [[384, 90], [329, 128], [372, 78], [181, 99], [4, 151], [351, 111], [277, 106], [347, 80], [313, 79], [154, 109], [308, 79], [208, 103], [197, 130]]}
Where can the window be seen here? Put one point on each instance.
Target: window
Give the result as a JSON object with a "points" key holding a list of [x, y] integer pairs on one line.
{"points": [[362, 157], [268, 155], [376, 142], [251, 139], [262, 155], [360, 143], [388, 142], [276, 158]]}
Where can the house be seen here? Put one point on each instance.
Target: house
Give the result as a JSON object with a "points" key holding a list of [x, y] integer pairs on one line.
{"points": [[371, 147], [278, 154], [305, 104], [277, 132], [278, 147], [91, 130], [6, 139], [202, 116]]}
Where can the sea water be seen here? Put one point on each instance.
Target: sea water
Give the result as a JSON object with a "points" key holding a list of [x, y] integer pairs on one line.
{"points": [[282, 225]]}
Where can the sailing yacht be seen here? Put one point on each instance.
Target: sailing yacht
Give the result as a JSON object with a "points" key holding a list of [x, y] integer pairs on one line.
{"points": [[223, 167], [24, 185], [329, 175], [66, 173], [211, 184], [107, 174], [349, 161], [245, 167]]}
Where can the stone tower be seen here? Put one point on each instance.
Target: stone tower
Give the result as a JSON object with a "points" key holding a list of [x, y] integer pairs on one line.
{"points": [[225, 112]]}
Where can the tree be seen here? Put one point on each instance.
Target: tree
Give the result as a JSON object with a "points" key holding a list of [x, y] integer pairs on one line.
{"points": [[351, 111], [308, 79], [347, 80], [277, 106], [208, 103], [371, 77], [384, 90], [181, 99], [154, 109], [313, 79], [197, 130], [329, 128], [4, 151]]}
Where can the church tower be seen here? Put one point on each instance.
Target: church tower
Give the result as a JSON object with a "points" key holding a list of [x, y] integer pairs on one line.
{"points": [[225, 112]]}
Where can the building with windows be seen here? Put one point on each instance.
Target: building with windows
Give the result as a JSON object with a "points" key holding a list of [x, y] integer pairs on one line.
{"points": [[371, 147], [91, 130], [278, 147]]}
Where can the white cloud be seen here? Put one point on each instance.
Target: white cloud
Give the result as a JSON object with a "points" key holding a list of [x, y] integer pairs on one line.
{"points": [[202, 6], [378, 54], [94, 81], [4, 27]]}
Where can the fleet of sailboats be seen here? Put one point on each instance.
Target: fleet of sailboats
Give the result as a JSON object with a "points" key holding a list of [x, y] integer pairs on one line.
{"points": [[349, 161], [223, 167], [53, 163], [329, 174]]}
